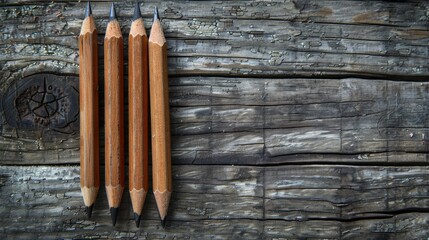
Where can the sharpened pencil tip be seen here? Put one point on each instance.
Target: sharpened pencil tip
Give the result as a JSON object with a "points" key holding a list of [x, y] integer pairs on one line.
{"points": [[88, 210], [155, 14], [88, 10], [137, 13], [137, 219], [114, 214], [112, 14], [163, 222]]}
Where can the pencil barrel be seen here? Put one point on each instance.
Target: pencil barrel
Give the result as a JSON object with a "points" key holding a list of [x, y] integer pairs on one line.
{"points": [[160, 116], [138, 99], [114, 113], [88, 110]]}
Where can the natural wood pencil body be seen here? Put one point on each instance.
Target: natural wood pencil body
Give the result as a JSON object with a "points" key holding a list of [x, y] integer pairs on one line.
{"points": [[88, 105], [160, 118], [138, 98], [114, 113]]}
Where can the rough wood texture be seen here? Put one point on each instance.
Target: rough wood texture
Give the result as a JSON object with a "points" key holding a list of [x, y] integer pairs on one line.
{"points": [[314, 201], [288, 90], [255, 38], [217, 120]]}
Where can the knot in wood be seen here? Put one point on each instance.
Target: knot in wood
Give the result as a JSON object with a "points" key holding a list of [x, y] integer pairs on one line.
{"points": [[41, 101]]}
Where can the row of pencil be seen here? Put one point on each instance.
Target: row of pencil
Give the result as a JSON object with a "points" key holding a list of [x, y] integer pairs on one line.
{"points": [[147, 60]]}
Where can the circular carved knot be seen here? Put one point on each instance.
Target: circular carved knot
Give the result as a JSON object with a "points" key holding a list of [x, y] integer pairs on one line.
{"points": [[44, 104], [42, 101]]}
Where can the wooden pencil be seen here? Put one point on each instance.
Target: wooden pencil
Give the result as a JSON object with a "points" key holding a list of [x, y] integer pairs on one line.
{"points": [[114, 113], [160, 118], [88, 110], [138, 98]]}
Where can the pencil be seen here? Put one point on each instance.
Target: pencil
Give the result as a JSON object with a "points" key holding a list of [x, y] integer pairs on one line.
{"points": [[160, 117], [138, 98], [88, 110], [114, 113]]}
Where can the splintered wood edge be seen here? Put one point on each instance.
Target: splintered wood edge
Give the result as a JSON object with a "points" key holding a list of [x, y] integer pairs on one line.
{"points": [[157, 34], [137, 199], [88, 25], [114, 195], [162, 202], [113, 30], [137, 28], [89, 195]]}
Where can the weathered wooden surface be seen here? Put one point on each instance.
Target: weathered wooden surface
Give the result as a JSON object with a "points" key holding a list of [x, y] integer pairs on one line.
{"points": [[323, 105], [218, 120], [229, 202], [241, 38]]}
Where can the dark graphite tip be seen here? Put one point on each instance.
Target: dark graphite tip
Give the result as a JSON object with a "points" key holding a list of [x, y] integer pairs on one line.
{"points": [[137, 219], [137, 13], [112, 14], [88, 10], [163, 222], [155, 14], [89, 210], [114, 214]]}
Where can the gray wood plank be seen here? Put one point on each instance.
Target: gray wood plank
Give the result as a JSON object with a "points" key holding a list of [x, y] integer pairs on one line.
{"points": [[403, 226], [227, 201], [343, 192], [327, 38], [251, 121]]}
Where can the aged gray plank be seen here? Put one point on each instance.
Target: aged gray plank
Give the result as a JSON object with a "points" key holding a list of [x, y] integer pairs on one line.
{"points": [[312, 229], [37, 193], [48, 190], [407, 226], [343, 192], [149, 229], [403, 226], [216, 120], [225, 201], [351, 38]]}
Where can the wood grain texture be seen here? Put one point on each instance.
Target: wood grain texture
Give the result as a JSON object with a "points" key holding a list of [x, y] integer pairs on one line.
{"points": [[88, 103], [220, 120], [275, 121], [321, 106], [114, 113], [343, 202], [138, 109], [304, 38], [160, 118], [272, 121]]}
